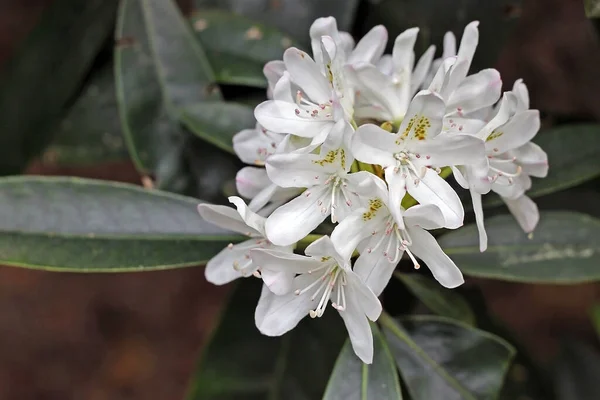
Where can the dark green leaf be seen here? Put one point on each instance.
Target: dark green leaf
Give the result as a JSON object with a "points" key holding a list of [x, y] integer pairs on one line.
{"points": [[434, 18], [353, 380], [592, 8], [573, 156], [442, 301], [238, 48], [241, 363], [291, 16], [159, 67], [217, 122], [91, 132], [439, 358], [45, 75], [563, 249], [70, 224], [577, 372]]}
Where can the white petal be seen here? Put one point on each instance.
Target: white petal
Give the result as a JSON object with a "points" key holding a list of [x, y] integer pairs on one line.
{"points": [[346, 42], [296, 219], [299, 170], [325, 26], [281, 117], [370, 48], [449, 149], [397, 189], [468, 44], [421, 69], [441, 266], [372, 145], [426, 216], [459, 174], [505, 111], [276, 315], [402, 53], [359, 330], [307, 74], [278, 268], [449, 49], [520, 90], [525, 212], [378, 92], [284, 89], [532, 159], [433, 189], [324, 247], [273, 70], [424, 117], [368, 302], [478, 210], [250, 181], [519, 130], [375, 270], [225, 217], [385, 64], [267, 194], [476, 91], [355, 227], [220, 269], [251, 219]]}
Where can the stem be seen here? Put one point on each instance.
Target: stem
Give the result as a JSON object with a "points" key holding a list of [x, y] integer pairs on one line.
{"points": [[355, 167]]}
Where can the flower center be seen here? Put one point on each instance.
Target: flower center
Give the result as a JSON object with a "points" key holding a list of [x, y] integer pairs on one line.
{"points": [[332, 280], [307, 108], [500, 170], [406, 166], [398, 240]]}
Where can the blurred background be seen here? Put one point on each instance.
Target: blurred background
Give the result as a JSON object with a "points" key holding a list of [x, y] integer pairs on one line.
{"points": [[137, 336]]}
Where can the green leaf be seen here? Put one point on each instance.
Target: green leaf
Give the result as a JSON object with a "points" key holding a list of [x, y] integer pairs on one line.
{"points": [[595, 316], [563, 249], [159, 68], [577, 372], [218, 122], [241, 363], [573, 155], [442, 301], [434, 18], [353, 380], [291, 16], [592, 8], [439, 358], [45, 75], [90, 133], [238, 48], [83, 225]]}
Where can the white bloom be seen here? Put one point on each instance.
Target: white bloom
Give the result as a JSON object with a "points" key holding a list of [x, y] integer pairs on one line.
{"points": [[384, 240], [253, 146], [511, 157], [322, 100], [409, 157], [330, 190], [234, 261], [323, 276]]}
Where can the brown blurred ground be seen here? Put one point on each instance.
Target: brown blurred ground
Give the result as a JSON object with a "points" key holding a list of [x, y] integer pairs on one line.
{"points": [[136, 336]]}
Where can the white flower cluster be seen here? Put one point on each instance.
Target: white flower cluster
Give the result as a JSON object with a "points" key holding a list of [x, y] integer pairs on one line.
{"points": [[367, 139]]}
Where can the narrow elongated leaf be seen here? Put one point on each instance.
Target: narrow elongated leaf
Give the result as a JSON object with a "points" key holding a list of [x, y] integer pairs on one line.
{"points": [[238, 48], [45, 75], [573, 155], [442, 301], [159, 67], [563, 249], [70, 224], [291, 16], [443, 359], [241, 363], [90, 133], [592, 8], [353, 380], [218, 122]]}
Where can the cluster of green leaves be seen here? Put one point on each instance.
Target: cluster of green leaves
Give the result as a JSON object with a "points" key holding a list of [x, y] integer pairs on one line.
{"points": [[165, 100]]}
